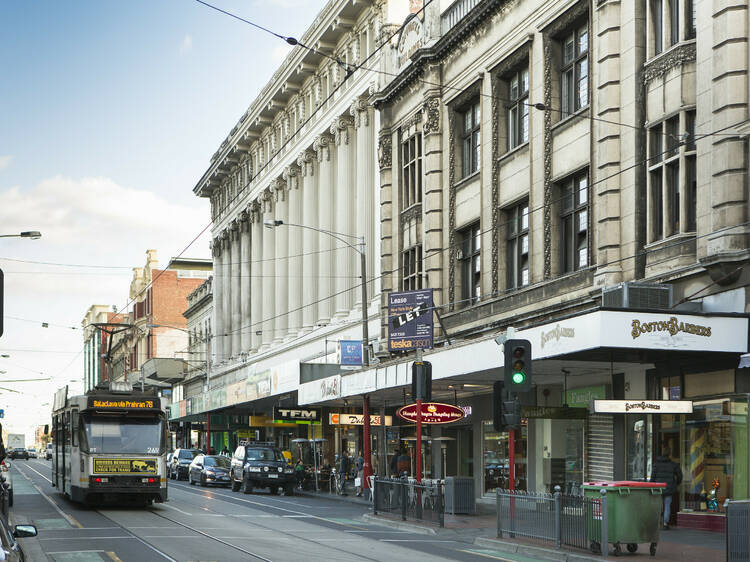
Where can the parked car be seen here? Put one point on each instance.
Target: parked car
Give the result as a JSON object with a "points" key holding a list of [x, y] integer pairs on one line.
{"points": [[19, 453], [32, 453], [6, 475], [8, 535], [180, 463], [260, 464], [48, 452], [209, 469]]}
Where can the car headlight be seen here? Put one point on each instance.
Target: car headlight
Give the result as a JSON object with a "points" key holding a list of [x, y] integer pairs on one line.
{"points": [[254, 469]]}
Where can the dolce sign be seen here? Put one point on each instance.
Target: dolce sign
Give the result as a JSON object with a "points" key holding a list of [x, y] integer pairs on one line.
{"points": [[432, 413], [357, 419], [297, 414]]}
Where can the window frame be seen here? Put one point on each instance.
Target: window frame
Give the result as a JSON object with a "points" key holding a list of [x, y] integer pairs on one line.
{"points": [[411, 280], [411, 170], [471, 141], [570, 96], [517, 110], [572, 216], [471, 264], [517, 229]]}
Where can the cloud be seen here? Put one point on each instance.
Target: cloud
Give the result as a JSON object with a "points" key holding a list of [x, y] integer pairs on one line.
{"points": [[187, 44], [5, 161]]}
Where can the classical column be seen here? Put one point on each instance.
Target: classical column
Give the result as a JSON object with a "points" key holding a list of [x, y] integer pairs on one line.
{"points": [[365, 204], [244, 281], [226, 300], [256, 273], [236, 282], [218, 343], [344, 213], [306, 162], [322, 146], [294, 249], [281, 262], [269, 270]]}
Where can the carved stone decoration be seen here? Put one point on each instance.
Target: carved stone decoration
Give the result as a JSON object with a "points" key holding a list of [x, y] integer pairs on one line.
{"points": [[254, 209], [234, 229], [452, 254], [244, 220], [225, 239], [412, 213], [278, 186], [495, 188], [547, 212], [567, 20], [659, 66], [341, 129], [385, 150], [322, 146], [360, 110], [305, 161], [267, 199], [291, 177], [215, 246], [431, 115]]}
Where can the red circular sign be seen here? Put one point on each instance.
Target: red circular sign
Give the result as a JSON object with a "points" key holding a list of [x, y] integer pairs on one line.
{"points": [[432, 413]]}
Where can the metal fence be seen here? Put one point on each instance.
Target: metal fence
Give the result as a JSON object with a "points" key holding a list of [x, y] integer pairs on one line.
{"points": [[418, 502], [559, 519], [738, 531]]}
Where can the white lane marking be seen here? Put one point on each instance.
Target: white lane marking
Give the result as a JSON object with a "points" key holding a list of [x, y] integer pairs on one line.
{"points": [[86, 538], [35, 470], [413, 540], [298, 516], [64, 515], [176, 509]]}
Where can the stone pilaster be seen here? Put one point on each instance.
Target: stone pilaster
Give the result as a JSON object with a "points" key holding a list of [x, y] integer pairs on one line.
{"points": [[344, 214], [365, 166], [226, 301], [306, 162], [322, 146], [389, 268], [281, 322], [236, 283], [244, 282], [218, 295], [256, 279], [269, 270], [294, 249]]}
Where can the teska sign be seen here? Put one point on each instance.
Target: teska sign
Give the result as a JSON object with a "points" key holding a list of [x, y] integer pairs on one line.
{"points": [[432, 413], [297, 414]]}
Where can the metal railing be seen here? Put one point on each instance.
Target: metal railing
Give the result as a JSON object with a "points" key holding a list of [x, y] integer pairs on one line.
{"points": [[455, 13], [412, 501], [559, 519]]}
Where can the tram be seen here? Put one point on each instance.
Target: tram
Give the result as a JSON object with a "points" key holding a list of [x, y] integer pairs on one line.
{"points": [[109, 445]]}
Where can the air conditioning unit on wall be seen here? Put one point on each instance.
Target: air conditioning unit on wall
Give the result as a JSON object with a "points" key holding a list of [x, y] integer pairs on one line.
{"points": [[638, 295]]}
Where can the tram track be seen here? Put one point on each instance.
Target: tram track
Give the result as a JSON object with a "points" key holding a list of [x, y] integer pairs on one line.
{"points": [[129, 533]]}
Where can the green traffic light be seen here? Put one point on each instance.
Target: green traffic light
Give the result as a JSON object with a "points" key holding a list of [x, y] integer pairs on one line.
{"points": [[518, 378]]}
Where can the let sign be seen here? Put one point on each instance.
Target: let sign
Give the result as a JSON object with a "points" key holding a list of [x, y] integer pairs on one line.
{"points": [[432, 413]]}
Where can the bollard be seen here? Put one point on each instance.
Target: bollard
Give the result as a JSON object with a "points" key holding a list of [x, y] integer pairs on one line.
{"points": [[558, 500], [440, 506], [403, 499], [605, 530]]}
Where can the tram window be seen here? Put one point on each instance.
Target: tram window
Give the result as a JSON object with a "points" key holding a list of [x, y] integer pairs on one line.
{"points": [[143, 436], [66, 427], [74, 428]]}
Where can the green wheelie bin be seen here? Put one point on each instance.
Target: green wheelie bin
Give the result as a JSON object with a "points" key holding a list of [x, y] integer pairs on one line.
{"points": [[633, 514]]}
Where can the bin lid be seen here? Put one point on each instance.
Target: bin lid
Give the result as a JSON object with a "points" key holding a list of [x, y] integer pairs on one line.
{"points": [[624, 484]]}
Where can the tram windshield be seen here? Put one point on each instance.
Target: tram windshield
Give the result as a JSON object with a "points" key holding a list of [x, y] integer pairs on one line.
{"points": [[139, 436]]}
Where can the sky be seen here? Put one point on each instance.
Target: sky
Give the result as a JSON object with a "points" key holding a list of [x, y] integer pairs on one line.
{"points": [[109, 115]]}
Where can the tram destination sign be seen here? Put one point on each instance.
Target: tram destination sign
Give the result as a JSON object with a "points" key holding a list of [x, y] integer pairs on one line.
{"points": [[120, 403], [410, 320]]}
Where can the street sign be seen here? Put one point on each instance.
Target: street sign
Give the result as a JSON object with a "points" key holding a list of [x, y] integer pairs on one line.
{"points": [[432, 413], [410, 320], [351, 353]]}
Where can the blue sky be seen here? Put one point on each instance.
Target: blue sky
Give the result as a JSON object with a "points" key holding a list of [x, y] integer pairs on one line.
{"points": [[109, 114]]}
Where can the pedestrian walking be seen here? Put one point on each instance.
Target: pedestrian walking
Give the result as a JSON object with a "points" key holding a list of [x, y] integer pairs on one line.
{"points": [[403, 463], [669, 472], [360, 473], [299, 473], [393, 466], [344, 466]]}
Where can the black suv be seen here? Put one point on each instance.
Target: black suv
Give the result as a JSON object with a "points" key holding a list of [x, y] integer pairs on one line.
{"points": [[260, 464], [19, 453], [179, 464]]}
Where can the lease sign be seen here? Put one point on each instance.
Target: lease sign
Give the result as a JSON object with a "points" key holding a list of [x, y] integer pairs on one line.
{"points": [[432, 413]]}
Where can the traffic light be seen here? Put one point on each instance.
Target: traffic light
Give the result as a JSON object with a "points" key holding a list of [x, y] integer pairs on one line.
{"points": [[498, 395], [517, 366], [512, 414], [421, 380]]}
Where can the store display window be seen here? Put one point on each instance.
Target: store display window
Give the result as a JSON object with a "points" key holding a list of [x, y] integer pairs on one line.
{"points": [[495, 458]]}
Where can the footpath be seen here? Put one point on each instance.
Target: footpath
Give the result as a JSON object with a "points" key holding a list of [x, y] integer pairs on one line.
{"points": [[683, 545]]}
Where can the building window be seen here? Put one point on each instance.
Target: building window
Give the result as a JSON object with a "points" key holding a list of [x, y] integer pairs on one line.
{"points": [[471, 265], [411, 171], [518, 110], [574, 217], [575, 70], [672, 177], [518, 246], [411, 269], [665, 23], [690, 19], [470, 141]]}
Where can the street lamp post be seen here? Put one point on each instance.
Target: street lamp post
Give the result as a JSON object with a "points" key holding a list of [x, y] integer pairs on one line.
{"points": [[362, 251]]}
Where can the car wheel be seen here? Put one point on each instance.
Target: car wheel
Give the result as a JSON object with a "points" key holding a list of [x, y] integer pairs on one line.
{"points": [[247, 486], [235, 485], [203, 480]]}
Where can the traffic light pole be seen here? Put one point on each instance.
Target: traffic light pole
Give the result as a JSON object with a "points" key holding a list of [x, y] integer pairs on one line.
{"points": [[419, 425], [512, 459]]}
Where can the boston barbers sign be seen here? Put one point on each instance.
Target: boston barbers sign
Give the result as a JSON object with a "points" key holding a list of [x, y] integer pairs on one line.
{"points": [[643, 406], [297, 414], [671, 325]]}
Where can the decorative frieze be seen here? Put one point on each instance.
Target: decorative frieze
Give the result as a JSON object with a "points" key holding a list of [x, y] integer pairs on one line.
{"points": [[673, 58], [385, 150], [431, 115], [494, 187], [451, 209], [547, 212]]}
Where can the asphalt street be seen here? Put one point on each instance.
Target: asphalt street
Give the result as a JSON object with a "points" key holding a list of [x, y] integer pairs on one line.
{"points": [[218, 524]]}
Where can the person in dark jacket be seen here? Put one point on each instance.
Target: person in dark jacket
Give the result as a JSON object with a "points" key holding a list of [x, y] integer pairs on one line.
{"points": [[670, 473]]}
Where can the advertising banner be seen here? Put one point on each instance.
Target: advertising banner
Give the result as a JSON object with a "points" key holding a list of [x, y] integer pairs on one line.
{"points": [[125, 466], [351, 353], [357, 419], [410, 320], [433, 413]]}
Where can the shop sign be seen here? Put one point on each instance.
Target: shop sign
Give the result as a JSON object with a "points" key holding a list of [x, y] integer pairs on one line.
{"points": [[297, 414], [671, 325], [432, 413], [582, 397], [410, 320], [357, 419], [555, 334], [643, 406], [553, 413], [410, 40], [351, 353]]}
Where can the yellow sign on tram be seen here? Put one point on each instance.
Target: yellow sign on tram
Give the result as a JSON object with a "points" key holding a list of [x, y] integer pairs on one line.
{"points": [[125, 466]]}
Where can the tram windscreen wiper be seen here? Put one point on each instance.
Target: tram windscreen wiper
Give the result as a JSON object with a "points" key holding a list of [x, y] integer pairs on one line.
{"points": [[128, 435]]}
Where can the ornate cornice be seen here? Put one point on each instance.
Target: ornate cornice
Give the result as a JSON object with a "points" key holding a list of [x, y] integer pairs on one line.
{"points": [[673, 58], [341, 129]]}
